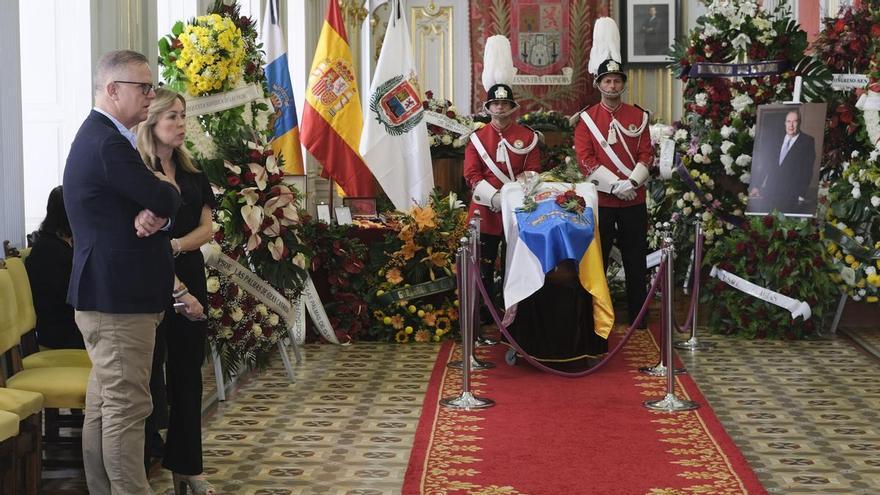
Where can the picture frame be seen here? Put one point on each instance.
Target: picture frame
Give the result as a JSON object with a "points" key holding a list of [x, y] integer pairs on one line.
{"points": [[362, 207], [324, 213], [786, 159], [343, 215], [649, 30]]}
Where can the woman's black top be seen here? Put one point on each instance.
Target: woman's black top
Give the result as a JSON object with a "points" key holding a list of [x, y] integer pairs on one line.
{"points": [[48, 267]]}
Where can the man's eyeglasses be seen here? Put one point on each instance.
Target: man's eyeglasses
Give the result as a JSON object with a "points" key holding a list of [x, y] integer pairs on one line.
{"points": [[145, 87]]}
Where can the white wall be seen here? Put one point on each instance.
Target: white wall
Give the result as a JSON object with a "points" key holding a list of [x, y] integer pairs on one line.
{"points": [[56, 93]]}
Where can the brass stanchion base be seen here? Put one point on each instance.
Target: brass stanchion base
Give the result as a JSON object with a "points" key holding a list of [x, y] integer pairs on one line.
{"points": [[692, 344], [660, 370], [476, 364], [466, 401], [671, 403]]}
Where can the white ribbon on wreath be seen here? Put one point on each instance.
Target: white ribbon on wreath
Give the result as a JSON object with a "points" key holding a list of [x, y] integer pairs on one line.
{"points": [[869, 104], [794, 306]]}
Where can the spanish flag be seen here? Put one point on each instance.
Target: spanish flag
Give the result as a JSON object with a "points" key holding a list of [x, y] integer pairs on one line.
{"points": [[332, 117], [285, 137]]}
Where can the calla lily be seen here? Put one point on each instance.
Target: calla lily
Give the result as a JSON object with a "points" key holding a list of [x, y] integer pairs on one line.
{"points": [[253, 218], [299, 260], [276, 248], [260, 175], [272, 164], [274, 227], [290, 215], [251, 195], [233, 168]]}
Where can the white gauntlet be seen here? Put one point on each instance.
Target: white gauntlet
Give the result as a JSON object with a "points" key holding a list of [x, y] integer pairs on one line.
{"points": [[484, 194]]}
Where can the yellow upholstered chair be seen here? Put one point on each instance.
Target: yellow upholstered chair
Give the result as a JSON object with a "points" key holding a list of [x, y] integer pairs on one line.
{"points": [[8, 459], [61, 387], [27, 320], [27, 406]]}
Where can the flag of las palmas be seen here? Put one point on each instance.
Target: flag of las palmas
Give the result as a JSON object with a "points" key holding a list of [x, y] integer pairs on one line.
{"points": [[395, 139]]}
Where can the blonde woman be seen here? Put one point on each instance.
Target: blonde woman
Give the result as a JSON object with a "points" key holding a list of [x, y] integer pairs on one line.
{"points": [[181, 339]]}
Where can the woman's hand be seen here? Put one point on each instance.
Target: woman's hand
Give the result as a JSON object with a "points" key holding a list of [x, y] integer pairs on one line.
{"points": [[192, 309]]}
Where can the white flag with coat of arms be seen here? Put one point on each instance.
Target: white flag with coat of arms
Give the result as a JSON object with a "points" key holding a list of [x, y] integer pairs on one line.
{"points": [[394, 143]]}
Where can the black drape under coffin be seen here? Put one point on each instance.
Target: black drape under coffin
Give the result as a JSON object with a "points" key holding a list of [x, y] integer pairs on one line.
{"points": [[555, 324]]}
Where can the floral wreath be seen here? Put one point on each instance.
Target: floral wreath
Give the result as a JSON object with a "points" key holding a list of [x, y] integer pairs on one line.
{"points": [[716, 134], [257, 214]]}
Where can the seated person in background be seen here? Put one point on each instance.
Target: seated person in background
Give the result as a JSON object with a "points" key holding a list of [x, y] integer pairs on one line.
{"points": [[48, 267]]}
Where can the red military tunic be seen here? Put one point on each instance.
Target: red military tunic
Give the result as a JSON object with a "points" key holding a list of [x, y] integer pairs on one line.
{"points": [[475, 170], [591, 155]]}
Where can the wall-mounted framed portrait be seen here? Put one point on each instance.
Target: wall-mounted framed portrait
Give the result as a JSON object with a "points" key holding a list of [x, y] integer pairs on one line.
{"points": [[649, 30]]}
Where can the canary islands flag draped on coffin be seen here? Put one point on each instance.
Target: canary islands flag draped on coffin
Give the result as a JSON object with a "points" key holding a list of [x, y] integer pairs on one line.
{"points": [[332, 117], [395, 140], [538, 240], [285, 140]]}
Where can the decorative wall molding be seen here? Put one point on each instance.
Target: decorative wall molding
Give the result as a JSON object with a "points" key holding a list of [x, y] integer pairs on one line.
{"points": [[12, 185]]}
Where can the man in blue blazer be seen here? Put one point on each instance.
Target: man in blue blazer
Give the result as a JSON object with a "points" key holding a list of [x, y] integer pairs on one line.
{"points": [[123, 272]]}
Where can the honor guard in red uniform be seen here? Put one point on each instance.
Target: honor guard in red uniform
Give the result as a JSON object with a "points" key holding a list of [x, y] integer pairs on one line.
{"points": [[498, 152], [613, 146]]}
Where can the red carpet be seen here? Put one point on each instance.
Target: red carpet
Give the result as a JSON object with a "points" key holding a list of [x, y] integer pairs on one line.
{"points": [[550, 435]]}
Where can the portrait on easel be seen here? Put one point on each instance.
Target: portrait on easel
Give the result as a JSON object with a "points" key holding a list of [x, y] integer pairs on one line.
{"points": [[786, 159]]}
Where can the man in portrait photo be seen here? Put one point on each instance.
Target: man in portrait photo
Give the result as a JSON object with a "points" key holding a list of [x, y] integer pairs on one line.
{"points": [[783, 173], [652, 36]]}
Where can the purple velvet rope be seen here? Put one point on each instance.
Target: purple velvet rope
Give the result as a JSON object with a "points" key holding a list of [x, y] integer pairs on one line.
{"points": [[543, 367], [698, 262]]}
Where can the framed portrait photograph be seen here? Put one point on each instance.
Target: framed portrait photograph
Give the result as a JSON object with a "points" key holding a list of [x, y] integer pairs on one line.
{"points": [[324, 212], [343, 215], [362, 207], [785, 161], [649, 30]]}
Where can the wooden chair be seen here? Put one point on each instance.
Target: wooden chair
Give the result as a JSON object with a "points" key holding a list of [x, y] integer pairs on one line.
{"points": [[61, 387], [27, 406], [8, 460], [27, 320]]}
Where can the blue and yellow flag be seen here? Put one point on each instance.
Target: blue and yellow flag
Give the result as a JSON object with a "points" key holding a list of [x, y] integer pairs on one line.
{"points": [[285, 139]]}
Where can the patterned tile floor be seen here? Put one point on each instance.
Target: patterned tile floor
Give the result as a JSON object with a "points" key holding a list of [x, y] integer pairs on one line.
{"points": [[805, 414]]}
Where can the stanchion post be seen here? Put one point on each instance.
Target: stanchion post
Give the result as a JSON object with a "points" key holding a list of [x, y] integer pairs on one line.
{"points": [[468, 307], [466, 400], [669, 403], [692, 343], [479, 339], [667, 318]]}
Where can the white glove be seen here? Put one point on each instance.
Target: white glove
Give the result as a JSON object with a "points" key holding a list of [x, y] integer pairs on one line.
{"points": [[496, 202], [624, 190]]}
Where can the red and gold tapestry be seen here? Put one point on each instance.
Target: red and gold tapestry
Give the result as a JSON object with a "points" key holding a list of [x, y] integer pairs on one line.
{"points": [[550, 39]]}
